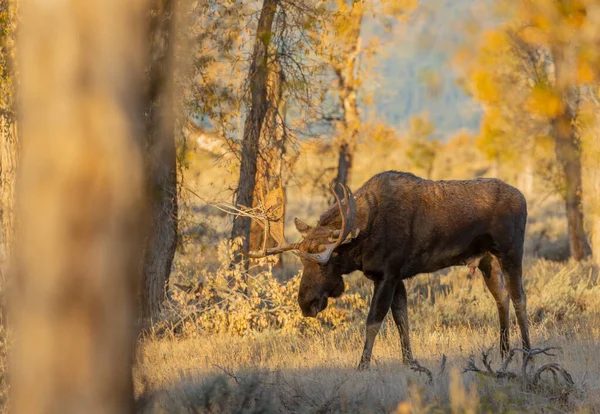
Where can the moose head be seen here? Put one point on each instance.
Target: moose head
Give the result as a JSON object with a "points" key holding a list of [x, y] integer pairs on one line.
{"points": [[321, 276]]}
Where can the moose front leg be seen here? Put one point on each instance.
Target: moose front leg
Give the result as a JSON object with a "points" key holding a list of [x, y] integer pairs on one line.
{"points": [[383, 294]]}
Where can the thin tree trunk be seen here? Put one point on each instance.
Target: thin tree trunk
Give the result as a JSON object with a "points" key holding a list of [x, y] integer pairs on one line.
{"points": [[568, 154], [430, 169], [161, 166], [345, 159], [346, 75], [80, 206], [257, 76]]}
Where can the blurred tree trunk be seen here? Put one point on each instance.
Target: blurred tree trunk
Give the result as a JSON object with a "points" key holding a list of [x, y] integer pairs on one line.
{"points": [[596, 214], [8, 134], [161, 164], [8, 167], [80, 205], [525, 177], [347, 83], [269, 191], [257, 78], [592, 157], [568, 153]]}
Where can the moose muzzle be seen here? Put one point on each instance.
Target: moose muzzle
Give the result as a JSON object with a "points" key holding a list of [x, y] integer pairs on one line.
{"points": [[314, 307]]}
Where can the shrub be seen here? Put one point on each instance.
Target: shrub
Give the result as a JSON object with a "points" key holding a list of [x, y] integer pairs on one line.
{"points": [[233, 300]]}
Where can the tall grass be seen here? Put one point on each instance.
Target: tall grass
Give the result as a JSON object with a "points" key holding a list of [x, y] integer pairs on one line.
{"points": [[235, 341], [254, 350]]}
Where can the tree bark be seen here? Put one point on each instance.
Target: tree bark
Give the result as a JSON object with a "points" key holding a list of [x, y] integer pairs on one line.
{"points": [[80, 205], [269, 191], [593, 195], [345, 159], [8, 138], [258, 75], [347, 83], [161, 166], [8, 168], [596, 214], [568, 154]]}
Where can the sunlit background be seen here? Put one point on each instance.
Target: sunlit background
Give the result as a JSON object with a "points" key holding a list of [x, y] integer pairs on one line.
{"points": [[144, 141]]}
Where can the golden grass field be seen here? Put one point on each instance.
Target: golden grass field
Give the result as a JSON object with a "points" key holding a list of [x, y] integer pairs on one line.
{"points": [[246, 348], [451, 315]]}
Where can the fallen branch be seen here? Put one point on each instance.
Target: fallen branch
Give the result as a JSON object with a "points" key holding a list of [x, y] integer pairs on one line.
{"points": [[530, 380], [415, 366]]}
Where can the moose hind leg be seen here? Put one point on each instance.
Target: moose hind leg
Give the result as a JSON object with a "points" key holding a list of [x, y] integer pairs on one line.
{"points": [[380, 305], [512, 268], [400, 314], [492, 276]]}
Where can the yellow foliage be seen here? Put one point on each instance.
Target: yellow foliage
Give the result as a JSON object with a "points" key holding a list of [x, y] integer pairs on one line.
{"points": [[488, 141], [461, 139], [585, 72], [380, 133], [484, 87], [543, 101], [497, 40], [544, 144], [533, 35], [541, 22], [400, 8], [233, 301], [421, 126]]}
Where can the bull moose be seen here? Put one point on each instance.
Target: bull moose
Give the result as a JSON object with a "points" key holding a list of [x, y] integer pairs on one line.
{"points": [[399, 225]]}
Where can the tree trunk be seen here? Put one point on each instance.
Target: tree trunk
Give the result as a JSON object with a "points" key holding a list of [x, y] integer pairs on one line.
{"points": [[525, 177], [8, 167], [430, 169], [161, 166], [269, 191], [259, 105], [8, 138], [347, 83], [568, 154], [345, 159], [596, 214], [593, 194], [80, 206]]}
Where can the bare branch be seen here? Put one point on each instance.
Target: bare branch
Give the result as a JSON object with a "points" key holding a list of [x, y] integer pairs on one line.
{"points": [[443, 365], [415, 366]]}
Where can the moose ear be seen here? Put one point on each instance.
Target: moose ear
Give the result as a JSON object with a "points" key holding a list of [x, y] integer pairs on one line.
{"points": [[301, 226]]}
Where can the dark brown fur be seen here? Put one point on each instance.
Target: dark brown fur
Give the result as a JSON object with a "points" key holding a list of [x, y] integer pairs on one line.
{"points": [[408, 226]]}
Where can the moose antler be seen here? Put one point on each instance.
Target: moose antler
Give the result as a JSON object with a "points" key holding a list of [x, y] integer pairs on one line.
{"points": [[347, 222], [322, 257]]}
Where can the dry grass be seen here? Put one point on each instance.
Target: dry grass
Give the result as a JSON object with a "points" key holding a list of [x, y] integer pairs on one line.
{"points": [[290, 370], [244, 347]]}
